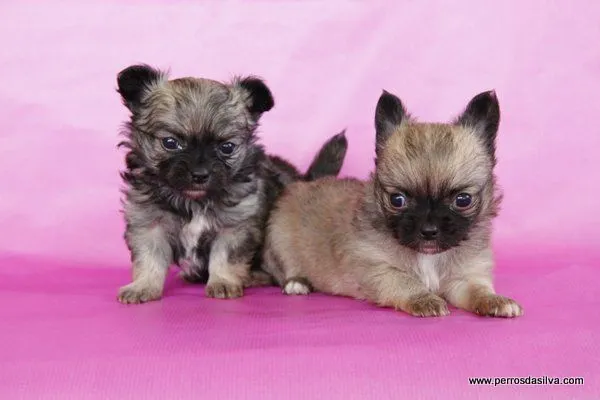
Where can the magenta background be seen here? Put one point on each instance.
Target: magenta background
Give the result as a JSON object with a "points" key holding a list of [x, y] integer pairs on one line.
{"points": [[62, 256]]}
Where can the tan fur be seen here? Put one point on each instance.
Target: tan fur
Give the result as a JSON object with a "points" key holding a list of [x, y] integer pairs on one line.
{"points": [[328, 233], [456, 158]]}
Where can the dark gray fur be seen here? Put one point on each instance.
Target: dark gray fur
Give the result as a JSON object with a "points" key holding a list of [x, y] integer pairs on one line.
{"points": [[213, 229]]}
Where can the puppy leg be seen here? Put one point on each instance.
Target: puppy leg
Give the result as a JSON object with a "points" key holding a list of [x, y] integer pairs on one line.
{"points": [[287, 278], [272, 263], [229, 264], [390, 287], [151, 255], [476, 294]]}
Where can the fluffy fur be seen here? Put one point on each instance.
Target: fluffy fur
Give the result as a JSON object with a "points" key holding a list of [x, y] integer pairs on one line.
{"points": [[413, 237], [199, 186]]}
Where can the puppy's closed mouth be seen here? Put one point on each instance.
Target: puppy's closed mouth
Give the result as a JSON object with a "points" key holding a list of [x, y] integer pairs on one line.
{"points": [[194, 194], [430, 248]]}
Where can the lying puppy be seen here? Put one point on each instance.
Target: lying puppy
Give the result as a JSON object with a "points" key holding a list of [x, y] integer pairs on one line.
{"points": [[416, 235], [198, 184]]}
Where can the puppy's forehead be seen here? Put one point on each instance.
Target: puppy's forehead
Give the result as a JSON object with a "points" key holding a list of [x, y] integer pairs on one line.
{"points": [[434, 158], [195, 106]]}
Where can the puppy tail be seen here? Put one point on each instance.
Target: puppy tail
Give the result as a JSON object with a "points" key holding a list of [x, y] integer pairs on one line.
{"points": [[330, 159]]}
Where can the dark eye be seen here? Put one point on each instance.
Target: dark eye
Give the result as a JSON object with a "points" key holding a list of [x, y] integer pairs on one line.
{"points": [[170, 143], [227, 148], [463, 201], [398, 200]]}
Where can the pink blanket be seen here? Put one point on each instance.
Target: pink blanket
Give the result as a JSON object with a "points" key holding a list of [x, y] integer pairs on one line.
{"points": [[62, 258]]}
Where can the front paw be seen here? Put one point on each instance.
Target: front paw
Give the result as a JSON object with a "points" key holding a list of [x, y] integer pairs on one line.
{"points": [[493, 305], [135, 293], [224, 290], [427, 305]]}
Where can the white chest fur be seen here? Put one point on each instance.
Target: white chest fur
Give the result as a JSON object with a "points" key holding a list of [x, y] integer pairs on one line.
{"points": [[428, 270], [191, 232]]}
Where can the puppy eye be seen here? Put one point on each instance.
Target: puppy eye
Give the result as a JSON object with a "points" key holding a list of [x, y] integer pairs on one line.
{"points": [[398, 200], [170, 143], [227, 148], [463, 201]]}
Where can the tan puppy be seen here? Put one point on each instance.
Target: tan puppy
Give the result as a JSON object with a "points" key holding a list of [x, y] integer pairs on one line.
{"points": [[413, 237]]}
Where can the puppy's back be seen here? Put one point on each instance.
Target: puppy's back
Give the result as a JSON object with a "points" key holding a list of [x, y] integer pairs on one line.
{"points": [[308, 228]]}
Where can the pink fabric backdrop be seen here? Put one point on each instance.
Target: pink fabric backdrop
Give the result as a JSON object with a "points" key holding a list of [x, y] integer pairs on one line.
{"points": [[64, 336]]}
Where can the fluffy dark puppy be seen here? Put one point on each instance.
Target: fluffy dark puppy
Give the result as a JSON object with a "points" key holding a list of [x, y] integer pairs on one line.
{"points": [[413, 237], [199, 186]]}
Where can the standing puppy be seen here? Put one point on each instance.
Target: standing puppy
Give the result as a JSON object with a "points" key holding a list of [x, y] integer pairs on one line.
{"points": [[416, 235], [198, 185]]}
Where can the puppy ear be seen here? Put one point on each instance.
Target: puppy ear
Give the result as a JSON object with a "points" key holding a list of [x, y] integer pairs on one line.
{"points": [[483, 115], [389, 114], [133, 81], [259, 98]]}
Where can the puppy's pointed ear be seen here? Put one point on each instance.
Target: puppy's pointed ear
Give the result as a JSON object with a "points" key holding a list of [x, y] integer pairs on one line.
{"points": [[133, 81], [259, 98], [483, 116], [389, 114]]}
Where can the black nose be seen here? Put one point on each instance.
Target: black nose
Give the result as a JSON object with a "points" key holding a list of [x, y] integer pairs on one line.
{"points": [[429, 231], [200, 175]]}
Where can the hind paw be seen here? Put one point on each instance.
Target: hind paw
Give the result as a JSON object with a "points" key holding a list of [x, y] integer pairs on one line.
{"points": [[297, 286]]}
